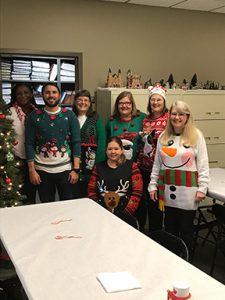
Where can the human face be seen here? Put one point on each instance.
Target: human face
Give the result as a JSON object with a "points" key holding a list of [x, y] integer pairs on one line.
{"points": [[83, 104], [114, 152], [23, 95], [178, 120], [125, 107], [51, 96], [157, 104]]}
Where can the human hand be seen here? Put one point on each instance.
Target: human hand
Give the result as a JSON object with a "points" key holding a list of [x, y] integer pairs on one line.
{"points": [[73, 177], [35, 178], [199, 196], [153, 196]]}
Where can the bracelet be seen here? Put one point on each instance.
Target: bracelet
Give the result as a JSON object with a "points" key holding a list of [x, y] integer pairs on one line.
{"points": [[76, 170]]}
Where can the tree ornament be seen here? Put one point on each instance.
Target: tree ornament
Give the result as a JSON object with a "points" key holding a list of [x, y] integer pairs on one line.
{"points": [[9, 156], [7, 180], [2, 116]]}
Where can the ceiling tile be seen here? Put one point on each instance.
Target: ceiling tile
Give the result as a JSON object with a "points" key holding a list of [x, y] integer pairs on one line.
{"points": [[161, 3], [202, 5]]}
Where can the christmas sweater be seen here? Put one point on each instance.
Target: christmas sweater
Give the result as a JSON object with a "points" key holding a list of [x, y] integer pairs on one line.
{"points": [[152, 128], [52, 139], [119, 188], [93, 141], [179, 172], [128, 131]]}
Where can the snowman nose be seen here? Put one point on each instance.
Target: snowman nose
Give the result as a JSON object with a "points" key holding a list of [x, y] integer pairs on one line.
{"points": [[170, 151]]}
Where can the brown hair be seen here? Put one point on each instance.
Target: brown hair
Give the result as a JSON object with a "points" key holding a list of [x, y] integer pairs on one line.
{"points": [[117, 140], [131, 98]]}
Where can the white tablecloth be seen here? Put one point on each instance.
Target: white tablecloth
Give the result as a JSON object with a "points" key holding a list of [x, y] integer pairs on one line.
{"points": [[216, 188], [66, 269]]}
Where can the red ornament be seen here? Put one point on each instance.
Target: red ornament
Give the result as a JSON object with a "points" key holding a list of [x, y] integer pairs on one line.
{"points": [[125, 129], [8, 180], [52, 117], [132, 124], [64, 109], [115, 128], [2, 116], [111, 118], [15, 142]]}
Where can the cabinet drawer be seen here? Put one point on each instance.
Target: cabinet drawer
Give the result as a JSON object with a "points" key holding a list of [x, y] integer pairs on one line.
{"points": [[213, 130], [216, 156], [206, 106]]}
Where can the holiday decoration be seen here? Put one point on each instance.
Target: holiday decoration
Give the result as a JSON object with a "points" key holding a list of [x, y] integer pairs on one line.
{"points": [[133, 81], [10, 167], [114, 80]]}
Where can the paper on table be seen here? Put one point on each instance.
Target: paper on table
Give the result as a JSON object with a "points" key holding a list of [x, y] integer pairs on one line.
{"points": [[118, 281]]}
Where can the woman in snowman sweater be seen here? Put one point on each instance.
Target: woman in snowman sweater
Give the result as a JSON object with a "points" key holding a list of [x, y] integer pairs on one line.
{"points": [[180, 173]]}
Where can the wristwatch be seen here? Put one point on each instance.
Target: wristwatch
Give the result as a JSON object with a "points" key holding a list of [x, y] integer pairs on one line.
{"points": [[76, 170]]}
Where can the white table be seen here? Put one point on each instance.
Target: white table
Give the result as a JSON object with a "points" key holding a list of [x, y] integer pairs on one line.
{"points": [[66, 269], [216, 188]]}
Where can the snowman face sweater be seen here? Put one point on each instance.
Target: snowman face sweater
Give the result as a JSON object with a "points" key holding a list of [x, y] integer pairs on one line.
{"points": [[179, 172]]}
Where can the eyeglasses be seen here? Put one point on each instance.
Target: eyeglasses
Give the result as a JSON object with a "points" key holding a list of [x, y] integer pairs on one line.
{"points": [[82, 100], [156, 100], [180, 115], [127, 147], [125, 103]]}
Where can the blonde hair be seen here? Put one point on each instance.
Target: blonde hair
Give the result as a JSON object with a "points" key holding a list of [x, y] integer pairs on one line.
{"points": [[189, 136]]}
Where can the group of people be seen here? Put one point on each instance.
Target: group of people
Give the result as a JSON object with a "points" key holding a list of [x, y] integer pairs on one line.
{"points": [[150, 167]]}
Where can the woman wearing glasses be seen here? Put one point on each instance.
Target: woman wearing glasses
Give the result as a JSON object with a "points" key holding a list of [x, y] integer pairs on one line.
{"points": [[153, 125], [93, 139], [126, 123], [180, 172]]}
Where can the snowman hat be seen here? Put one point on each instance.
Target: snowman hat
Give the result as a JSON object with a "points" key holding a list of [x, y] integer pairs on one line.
{"points": [[158, 89]]}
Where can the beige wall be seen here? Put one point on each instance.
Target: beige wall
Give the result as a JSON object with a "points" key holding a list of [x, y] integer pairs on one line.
{"points": [[150, 41]]}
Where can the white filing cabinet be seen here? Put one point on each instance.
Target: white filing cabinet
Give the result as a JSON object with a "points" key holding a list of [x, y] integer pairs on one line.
{"points": [[207, 106]]}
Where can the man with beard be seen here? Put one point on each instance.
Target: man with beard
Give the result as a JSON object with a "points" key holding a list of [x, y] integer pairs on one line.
{"points": [[53, 147]]}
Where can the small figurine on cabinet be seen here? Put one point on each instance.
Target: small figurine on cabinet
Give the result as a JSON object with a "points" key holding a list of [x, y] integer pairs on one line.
{"points": [[133, 81], [193, 81], [170, 81], [148, 83], [114, 80]]}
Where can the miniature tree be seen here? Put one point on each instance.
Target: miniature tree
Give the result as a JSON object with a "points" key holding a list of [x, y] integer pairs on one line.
{"points": [[170, 80], [194, 80], [10, 166]]}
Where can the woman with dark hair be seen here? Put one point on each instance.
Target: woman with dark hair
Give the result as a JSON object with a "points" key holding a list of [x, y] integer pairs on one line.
{"points": [[116, 183], [126, 122], [93, 139], [153, 125], [21, 105]]}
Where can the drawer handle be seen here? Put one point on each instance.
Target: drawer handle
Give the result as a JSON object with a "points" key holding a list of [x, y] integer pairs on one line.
{"points": [[217, 113], [207, 138], [208, 113], [213, 161], [216, 137]]}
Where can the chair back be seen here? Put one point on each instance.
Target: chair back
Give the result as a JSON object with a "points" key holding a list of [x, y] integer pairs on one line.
{"points": [[128, 218], [171, 242]]}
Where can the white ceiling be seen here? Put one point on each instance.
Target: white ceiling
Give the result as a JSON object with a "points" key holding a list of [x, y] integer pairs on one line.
{"points": [[215, 6]]}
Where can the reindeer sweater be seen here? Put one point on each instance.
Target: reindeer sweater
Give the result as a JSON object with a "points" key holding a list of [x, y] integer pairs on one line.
{"points": [[121, 187]]}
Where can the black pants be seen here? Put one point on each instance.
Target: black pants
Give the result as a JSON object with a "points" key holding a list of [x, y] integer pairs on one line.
{"points": [[50, 182], [148, 207], [80, 190], [180, 222], [29, 190]]}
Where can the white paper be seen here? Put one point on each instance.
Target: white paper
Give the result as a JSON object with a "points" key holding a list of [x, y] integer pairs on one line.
{"points": [[118, 281]]}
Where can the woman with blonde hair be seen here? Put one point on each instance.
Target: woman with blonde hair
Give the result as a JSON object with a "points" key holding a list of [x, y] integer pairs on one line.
{"points": [[180, 173]]}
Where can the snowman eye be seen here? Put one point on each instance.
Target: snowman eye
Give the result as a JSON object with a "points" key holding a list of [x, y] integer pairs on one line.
{"points": [[170, 143], [186, 146]]}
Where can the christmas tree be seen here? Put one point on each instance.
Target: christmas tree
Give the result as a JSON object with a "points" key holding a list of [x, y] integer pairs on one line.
{"points": [[11, 178]]}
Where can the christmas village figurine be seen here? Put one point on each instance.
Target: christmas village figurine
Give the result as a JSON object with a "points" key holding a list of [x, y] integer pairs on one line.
{"points": [[10, 166], [194, 80], [114, 80], [133, 81], [170, 82], [148, 83]]}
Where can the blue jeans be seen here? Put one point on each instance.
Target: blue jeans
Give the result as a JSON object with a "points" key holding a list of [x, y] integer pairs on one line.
{"points": [[52, 181]]}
